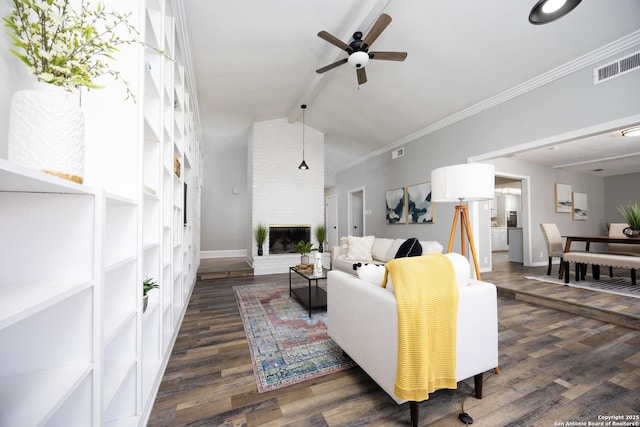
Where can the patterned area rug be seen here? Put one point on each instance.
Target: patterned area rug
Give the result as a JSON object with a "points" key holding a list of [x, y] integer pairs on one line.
{"points": [[612, 285], [287, 347]]}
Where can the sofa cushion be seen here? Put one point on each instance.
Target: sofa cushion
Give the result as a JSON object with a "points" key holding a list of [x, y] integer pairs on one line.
{"points": [[360, 248], [430, 246], [380, 249], [410, 247]]}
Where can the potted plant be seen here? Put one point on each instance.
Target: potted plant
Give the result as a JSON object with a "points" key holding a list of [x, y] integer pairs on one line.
{"points": [[304, 248], [147, 284], [261, 237], [65, 48], [631, 215], [321, 235]]}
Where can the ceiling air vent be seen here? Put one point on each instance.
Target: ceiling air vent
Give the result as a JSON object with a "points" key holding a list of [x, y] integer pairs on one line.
{"points": [[397, 153], [616, 68]]}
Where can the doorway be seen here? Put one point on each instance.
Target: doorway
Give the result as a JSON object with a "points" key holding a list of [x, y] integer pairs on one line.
{"points": [[355, 208], [510, 218]]}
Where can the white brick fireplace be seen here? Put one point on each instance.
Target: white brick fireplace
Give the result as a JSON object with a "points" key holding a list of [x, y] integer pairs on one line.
{"points": [[280, 193]]}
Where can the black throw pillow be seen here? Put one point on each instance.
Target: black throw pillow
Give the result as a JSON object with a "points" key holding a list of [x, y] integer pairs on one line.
{"points": [[410, 247]]}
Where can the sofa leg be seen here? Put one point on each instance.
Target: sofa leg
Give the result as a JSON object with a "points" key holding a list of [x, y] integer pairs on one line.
{"points": [[477, 379], [415, 413]]}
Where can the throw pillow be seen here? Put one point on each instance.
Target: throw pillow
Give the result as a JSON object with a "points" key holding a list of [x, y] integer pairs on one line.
{"points": [[374, 274], [360, 248], [410, 247], [380, 249], [344, 247]]}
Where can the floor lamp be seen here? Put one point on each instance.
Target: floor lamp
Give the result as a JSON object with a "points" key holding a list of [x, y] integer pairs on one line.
{"points": [[463, 183]]}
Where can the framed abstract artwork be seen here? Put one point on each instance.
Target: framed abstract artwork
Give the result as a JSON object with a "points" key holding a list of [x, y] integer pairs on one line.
{"points": [[419, 206], [396, 212], [563, 198], [579, 212]]}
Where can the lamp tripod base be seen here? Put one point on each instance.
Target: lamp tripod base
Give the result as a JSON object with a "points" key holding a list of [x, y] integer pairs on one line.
{"points": [[462, 212]]}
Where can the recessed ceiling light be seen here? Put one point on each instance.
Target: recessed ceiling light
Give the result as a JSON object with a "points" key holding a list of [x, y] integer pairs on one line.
{"points": [[631, 131], [549, 10]]}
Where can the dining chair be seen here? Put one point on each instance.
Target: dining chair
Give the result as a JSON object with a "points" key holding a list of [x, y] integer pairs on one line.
{"points": [[553, 239], [615, 230]]}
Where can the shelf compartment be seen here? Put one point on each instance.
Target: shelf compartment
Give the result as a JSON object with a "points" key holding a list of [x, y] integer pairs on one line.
{"points": [[60, 335], [32, 399], [21, 301], [67, 221]]}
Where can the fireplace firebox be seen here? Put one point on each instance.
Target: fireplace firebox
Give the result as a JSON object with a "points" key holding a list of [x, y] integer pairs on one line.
{"points": [[282, 238]]}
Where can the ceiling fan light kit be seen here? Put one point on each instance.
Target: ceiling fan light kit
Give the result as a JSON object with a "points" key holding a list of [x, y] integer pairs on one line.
{"points": [[546, 11], [635, 131], [358, 49]]}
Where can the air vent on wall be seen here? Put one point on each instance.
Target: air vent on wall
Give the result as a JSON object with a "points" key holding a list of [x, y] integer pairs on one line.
{"points": [[616, 68], [397, 153]]}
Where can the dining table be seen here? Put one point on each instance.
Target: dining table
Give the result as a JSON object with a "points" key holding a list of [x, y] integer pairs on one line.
{"points": [[588, 239]]}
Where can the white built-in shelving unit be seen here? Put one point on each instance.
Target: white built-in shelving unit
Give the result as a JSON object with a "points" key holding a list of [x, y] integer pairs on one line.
{"points": [[77, 347]]}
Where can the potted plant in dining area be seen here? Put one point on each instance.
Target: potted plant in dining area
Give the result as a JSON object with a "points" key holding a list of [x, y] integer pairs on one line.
{"points": [[321, 235], [304, 248], [261, 237], [65, 48], [147, 284], [631, 215]]}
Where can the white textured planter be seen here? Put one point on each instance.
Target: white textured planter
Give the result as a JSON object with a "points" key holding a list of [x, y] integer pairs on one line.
{"points": [[46, 131]]}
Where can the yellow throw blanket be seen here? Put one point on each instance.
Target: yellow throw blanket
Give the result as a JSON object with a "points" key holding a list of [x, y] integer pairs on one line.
{"points": [[427, 295]]}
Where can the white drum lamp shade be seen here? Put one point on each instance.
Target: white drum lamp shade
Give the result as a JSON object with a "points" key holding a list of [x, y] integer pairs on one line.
{"points": [[469, 182]]}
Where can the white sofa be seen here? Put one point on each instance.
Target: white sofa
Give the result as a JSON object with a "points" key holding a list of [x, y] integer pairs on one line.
{"points": [[363, 321], [382, 250]]}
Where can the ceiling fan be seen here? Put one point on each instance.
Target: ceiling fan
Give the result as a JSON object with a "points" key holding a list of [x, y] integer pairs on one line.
{"points": [[358, 49]]}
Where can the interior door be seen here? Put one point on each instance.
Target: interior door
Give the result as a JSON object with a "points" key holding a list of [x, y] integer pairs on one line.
{"points": [[331, 215], [356, 213]]}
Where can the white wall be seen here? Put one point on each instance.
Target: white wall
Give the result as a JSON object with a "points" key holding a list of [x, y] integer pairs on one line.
{"points": [[280, 193], [620, 190], [225, 213], [559, 107], [14, 77]]}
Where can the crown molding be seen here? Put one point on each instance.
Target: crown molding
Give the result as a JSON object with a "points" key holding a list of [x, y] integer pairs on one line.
{"points": [[614, 48]]}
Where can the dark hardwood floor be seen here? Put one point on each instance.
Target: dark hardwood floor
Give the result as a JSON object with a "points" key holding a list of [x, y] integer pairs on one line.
{"points": [[557, 366]]}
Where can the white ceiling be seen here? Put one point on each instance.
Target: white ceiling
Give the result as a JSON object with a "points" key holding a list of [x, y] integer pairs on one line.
{"points": [[255, 60]]}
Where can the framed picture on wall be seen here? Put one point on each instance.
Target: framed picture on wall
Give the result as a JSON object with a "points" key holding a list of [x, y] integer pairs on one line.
{"points": [[563, 198], [396, 212], [579, 212], [419, 206]]}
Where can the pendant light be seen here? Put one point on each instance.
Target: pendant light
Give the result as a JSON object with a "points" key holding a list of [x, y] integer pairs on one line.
{"points": [[303, 165]]}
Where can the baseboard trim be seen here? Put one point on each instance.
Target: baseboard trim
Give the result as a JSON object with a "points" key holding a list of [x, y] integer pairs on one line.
{"points": [[231, 253]]}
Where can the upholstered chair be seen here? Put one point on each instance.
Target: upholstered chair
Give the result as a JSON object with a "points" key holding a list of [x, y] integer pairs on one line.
{"points": [[554, 243], [615, 230]]}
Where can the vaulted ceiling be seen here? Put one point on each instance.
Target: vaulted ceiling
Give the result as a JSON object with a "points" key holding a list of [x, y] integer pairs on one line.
{"points": [[255, 60]]}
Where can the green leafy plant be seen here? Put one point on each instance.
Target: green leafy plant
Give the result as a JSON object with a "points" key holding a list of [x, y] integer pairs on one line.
{"points": [[68, 46], [631, 214], [321, 233], [148, 284], [304, 247], [261, 234]]}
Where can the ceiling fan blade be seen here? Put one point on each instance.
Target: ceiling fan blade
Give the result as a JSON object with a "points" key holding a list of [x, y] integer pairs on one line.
{"points": [[378, 27], [388, 56], [335, 41], [331, 66], [362, 76]]}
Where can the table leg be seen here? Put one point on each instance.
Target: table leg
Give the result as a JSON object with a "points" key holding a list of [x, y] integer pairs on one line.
{"points": [[289, 283], [567, 248], [310, 298]]}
